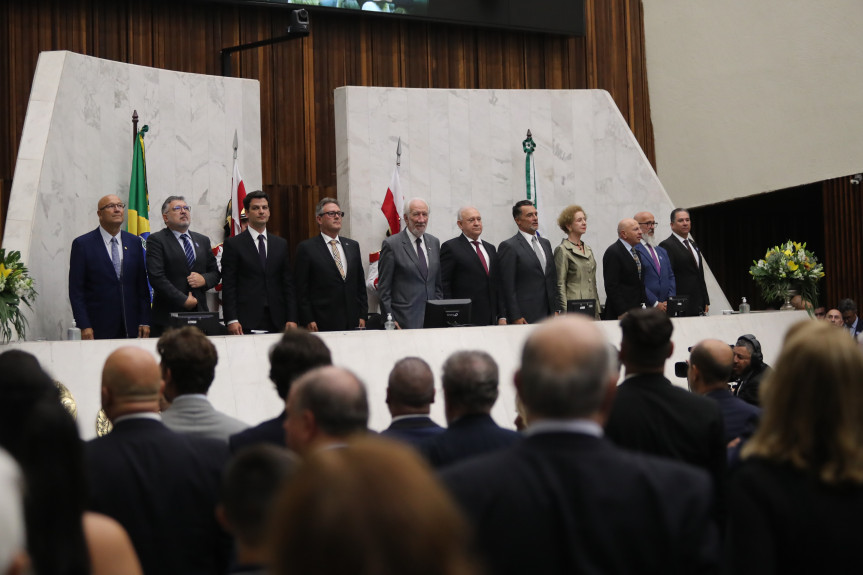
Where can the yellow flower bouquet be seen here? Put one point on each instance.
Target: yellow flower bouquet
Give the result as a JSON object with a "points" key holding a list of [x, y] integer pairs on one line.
{"points": [[16, 286], [787, 267]]}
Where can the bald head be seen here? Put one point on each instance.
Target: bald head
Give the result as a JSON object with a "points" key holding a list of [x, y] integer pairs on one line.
{"points": [[410, 389], [710, 364], [564, 369], [629, 231], [131, 382]]}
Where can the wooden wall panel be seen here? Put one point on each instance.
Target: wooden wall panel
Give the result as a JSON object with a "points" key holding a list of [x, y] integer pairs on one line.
{"points": [[298, 77], [843, 238]]}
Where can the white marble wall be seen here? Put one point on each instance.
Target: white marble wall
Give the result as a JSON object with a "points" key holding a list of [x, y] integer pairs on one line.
{"points": [[464, 147], [242, 387], [77, 147]]}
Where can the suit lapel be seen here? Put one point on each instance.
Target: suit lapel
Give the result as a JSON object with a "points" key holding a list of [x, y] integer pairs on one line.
{"points": [[628, 255], [470, 249], [327, 254], [527, 250], [641, 249], [408, 246]]}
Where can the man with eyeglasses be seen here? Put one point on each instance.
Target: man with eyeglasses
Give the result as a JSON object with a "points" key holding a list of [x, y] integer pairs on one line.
{"points": [[687, 263], [331, 289], [180, 263], [658, 276], [108, 280]]}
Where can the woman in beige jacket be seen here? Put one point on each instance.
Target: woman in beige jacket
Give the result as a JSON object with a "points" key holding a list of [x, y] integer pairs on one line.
{"points": [[576, 266]]}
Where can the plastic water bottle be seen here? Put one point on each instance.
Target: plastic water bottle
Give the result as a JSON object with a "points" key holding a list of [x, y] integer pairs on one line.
{"points": [[73, 333], [389, 324], [744, 306]]}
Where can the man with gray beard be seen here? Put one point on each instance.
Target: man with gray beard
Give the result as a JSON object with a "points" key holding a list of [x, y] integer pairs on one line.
{"points": [[659, 283]]}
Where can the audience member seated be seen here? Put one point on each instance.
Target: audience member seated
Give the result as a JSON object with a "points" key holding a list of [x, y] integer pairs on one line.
{"points": [[188, 366], [296, 353], [13, 551], [848, 309], [796, 501], [372, 507], [470, 380], [62, 537], [749, 369], [325, 407], [410, 393], [565, 500], [160, 485], [820, 312], [710, 364], [652, 415], [834, 316], [250, 485]]}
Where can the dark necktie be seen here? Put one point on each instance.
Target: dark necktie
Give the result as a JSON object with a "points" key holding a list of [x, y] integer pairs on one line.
{"points": [[115, 256], [691, 251], [637, 261], [653, 255], [424, 267], [481, 257], [190, 253], [262, 251]]}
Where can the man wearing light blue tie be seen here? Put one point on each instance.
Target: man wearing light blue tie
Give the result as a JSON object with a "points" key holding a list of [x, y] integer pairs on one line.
{"points": [[659, 283]]}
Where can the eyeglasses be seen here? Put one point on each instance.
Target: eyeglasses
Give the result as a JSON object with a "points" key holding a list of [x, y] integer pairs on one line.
{"points": [[333, 214], [648, 224], [182, 208], [112, 206]]}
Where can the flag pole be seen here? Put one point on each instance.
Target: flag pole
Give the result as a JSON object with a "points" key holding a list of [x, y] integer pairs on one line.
{"points": [[134, 126], [236, 144], [399, 153]]}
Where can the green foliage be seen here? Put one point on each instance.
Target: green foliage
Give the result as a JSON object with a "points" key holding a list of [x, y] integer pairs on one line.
{"points": [[789, 266], [16, 287]]}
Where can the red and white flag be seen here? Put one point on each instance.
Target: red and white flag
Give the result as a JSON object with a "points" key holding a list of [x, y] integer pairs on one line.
{"points": [[394, 203], [238, 194]]}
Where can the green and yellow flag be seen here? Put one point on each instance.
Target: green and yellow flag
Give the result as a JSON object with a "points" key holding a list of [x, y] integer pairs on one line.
{"points": [[139, 199]]}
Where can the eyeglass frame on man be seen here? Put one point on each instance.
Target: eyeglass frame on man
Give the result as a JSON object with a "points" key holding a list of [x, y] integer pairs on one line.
{"points": [[122, 206], [333, 214], [182, 209]]}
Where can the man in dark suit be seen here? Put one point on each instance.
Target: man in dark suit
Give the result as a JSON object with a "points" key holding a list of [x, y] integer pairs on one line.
{"points": [[410, 393], [564, 499], [469, 269], [652, 415], [470, 383], [709, 369], [852, 322], [296, 353], [161, 486], [748, 369], [409, 269], [257, 287], [108, 278], [528, 279], [687, 263], [180, 263], [331, 287], [656, 269], [622, 271]]}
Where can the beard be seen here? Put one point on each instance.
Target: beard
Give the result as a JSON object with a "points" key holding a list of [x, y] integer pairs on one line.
{"points": [[650, 240]]}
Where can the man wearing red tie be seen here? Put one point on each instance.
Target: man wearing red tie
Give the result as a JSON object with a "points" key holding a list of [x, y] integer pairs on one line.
{"points": [[469, 269], [687, 263]]}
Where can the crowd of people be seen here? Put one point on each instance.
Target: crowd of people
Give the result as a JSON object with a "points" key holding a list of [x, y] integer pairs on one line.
{"points": [[523, 280], [610, 472]]}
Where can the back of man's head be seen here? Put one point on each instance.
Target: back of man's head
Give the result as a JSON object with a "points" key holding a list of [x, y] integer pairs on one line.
{"points": [[847, 304], [646, 340], [335, 397], [23, 384], [191, 358], [470, 380], [713, 360], [565, 370], [410, 388], [12, 539], [131, 382], [296, 353], [250, 484]]}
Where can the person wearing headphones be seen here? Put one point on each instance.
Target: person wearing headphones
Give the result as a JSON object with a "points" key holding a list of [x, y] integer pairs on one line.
{"points": [[749, 369]]}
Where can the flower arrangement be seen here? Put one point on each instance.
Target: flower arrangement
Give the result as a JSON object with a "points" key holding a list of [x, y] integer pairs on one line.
{"points": [[16, 286], [786, 267]]}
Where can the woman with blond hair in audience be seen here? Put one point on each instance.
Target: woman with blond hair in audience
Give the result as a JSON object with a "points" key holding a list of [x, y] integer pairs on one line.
{"points": [[796, 501], [576, 266], [371, 507]]}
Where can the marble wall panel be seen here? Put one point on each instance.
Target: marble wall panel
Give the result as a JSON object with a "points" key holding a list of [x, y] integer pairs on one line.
{"points": [[76, 147]]}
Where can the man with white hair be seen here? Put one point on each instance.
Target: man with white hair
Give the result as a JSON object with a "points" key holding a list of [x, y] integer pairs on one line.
{"points": [[13, 556], [659, 282], [409, 269]]}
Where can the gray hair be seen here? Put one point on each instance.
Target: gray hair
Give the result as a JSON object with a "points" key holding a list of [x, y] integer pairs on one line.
{"points": [[470, 380], [168, 201], [407, 209], [319, 209]]}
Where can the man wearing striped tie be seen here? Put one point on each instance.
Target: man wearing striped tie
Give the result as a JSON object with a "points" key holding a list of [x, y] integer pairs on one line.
{"points": [[180, 264], [331, 290], [622, 271]]}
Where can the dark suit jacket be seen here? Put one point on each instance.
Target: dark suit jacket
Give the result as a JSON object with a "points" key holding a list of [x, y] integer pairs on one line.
{"points": [[402, 289], [247, 287], [659, 284], [749, 383], [688, 276], [653, 416], [740, 418], [413, 430], [168, 270], [562, 503], [271, 431], [463, 276], [335, 304], [784, 520], [624, 288], [101, 301], [163, 488], [466, 437], [527, 292]]}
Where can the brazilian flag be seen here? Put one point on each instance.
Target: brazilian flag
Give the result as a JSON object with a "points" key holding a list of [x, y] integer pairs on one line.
{"points": [[139, 199]]}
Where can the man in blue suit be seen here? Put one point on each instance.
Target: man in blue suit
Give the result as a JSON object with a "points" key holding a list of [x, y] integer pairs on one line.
{"points": [[659, 282], [108, 278]]}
